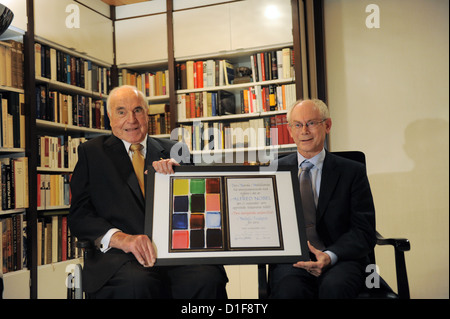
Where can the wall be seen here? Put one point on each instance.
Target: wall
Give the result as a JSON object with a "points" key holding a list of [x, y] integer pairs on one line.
{"points": [[389, 97], [54, 21]]}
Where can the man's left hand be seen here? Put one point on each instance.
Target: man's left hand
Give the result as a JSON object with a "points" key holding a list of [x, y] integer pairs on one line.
{"points": [[315, 268], [165, 166]]}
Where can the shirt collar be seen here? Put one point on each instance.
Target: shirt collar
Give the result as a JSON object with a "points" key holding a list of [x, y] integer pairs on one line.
{"points": [[316, 160], [143, 143]]}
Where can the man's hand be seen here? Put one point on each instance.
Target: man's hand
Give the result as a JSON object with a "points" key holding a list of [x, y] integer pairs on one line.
{"points": [[165, 166], [139, 245], [315, 268]]}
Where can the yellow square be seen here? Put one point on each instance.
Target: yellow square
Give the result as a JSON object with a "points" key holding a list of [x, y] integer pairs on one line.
{"points": [[181, 187]]}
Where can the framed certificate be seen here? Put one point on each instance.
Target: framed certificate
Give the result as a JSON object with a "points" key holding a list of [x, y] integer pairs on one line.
{"points": [[225, 215]]}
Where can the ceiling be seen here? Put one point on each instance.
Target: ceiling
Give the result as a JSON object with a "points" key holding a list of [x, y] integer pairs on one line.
{"points": [[122, 2]]}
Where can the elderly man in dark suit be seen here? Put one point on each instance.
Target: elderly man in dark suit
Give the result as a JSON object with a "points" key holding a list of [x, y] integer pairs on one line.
{"points": [[108, 208], [341, 231]]}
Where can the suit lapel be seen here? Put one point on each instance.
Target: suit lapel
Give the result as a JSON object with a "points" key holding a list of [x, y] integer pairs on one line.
{"points": [[330, 177], [155, 151], [115, 149]]}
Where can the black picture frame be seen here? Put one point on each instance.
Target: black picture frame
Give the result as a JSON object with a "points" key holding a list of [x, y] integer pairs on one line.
{"points": [[254, 215]]}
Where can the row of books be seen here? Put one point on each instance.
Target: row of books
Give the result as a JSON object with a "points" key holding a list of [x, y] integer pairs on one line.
{"points": [[14, 183], [12, 120], [11, 64], [203, 74], [70, 109], [60, 66], [258, 133], [267, 98], [13, 243], [251, 100], [272, 65], [263, 66], [159, 119], [53, 190], [150, 83], [55, 243], [56, 152], [205, 104]]}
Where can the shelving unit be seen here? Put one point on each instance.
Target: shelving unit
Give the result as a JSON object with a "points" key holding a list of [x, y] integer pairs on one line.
{"points": [[13, 220], [53, 192]]}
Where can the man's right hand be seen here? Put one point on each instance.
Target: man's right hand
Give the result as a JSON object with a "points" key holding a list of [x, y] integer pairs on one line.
{"points": [[139, 245]]}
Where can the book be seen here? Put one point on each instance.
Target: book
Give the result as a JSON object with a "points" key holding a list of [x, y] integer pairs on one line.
{"points": [[16, 64], [228, 72], [5, 64], [159, 119], [53, 190], [12, 243], [55, 243], [150, 83], [60, 66]]}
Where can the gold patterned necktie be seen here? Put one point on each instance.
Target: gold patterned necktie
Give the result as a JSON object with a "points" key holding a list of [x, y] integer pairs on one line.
{"points": [[138, 164]]}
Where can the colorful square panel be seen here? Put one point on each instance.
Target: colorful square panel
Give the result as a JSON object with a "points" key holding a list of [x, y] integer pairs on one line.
{"points": [[212, 202], [214, 238], [180, 239], [197, 203], [197, 221], [213, 220], [180, 221], [197, 238], [181, 187], [197, 186], [180, 204], [213, 185], [196, 217]]}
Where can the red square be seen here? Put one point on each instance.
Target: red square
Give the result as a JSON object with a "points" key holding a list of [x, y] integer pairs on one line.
{"points": [[180, 239]]}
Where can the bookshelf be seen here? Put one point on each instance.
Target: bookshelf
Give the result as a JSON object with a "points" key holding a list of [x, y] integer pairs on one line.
{"points": [[71, 91], [245, 113], [46, 120], [14, 168], [108, 38]]}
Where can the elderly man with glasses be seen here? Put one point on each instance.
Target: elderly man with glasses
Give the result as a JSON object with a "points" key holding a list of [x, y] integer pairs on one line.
{"points": [[338, 210]]}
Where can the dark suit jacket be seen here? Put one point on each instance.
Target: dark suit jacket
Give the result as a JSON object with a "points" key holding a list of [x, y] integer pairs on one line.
{"points": [[345, 212], [105, 195]]}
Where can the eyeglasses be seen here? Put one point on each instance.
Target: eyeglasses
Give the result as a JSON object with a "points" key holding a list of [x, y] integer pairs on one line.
{"points": [[310, 124]]}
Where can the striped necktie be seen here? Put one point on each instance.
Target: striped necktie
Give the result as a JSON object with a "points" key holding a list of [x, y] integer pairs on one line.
{"points": [[308, 204]]}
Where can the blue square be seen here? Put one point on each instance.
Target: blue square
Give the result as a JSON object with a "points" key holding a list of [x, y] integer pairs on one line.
{"points": [[179, 221], [213, 220]]}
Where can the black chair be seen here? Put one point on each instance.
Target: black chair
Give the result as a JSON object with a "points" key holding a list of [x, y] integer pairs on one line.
{"points": [[384, 291], [74, 279]]}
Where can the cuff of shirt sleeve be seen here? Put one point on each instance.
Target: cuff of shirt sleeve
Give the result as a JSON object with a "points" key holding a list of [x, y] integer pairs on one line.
{"points": [[333, 257], [104, 243]]}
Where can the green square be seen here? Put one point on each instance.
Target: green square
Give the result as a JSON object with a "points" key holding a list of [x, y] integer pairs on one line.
{"points": [[197, 186]]}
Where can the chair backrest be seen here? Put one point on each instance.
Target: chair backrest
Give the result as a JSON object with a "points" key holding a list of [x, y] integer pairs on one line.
{"points": [[360, 157], [353, 155]]}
